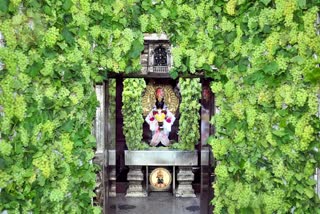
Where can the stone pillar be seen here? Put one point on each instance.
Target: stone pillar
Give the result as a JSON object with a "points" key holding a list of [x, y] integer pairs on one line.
{"points": [[99, 122], [135, 178], [112, 179], [150, 61], [98, 200], [185, 177]]}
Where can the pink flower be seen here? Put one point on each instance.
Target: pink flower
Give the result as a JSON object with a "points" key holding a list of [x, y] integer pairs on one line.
{"points": [[151, 118], [168, 120]]}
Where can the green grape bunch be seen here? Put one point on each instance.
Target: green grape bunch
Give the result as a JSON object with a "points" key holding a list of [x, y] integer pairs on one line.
{"points": [[221, 171], [44, 164], [230, 7], [51, 36], [9, 38], [5, 147], [144, 22], [226, 25]]}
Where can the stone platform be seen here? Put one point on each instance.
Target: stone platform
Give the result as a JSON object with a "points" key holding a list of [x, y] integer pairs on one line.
{"points": [[156, 203]]}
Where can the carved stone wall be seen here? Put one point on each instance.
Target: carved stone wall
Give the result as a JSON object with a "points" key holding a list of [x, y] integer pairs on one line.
{"points": [[156, 56]]}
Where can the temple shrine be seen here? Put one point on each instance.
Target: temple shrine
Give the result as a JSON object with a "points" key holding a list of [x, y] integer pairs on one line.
{"points": [[161, 166]]}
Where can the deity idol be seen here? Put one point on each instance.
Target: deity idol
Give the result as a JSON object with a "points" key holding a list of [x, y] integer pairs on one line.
{"points": [[160, 120]]}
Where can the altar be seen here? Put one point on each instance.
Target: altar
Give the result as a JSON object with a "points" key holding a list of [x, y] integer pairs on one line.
{"points": [[183, 160]]}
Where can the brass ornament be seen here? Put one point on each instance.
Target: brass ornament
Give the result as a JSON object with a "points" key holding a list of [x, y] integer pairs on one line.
{"points": [[149, 98], [160, 179]]}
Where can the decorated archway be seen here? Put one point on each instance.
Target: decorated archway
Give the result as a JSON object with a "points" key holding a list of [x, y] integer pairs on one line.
{"points": [[53, 52]]}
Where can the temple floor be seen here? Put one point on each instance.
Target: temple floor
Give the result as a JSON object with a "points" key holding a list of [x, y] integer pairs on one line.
{"points": [[156, 203]]}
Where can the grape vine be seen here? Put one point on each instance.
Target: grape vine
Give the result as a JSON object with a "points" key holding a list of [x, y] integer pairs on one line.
{"points": [[132, 112], [54, 51]]}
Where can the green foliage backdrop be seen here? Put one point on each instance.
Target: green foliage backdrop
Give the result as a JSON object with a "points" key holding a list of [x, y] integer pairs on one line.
{"points": [[189, 128], [55, 50], [132, 112], [267, 140]]}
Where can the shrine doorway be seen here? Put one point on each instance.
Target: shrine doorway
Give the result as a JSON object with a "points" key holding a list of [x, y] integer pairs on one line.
{"points": [[111, 147], [125, 182]]}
